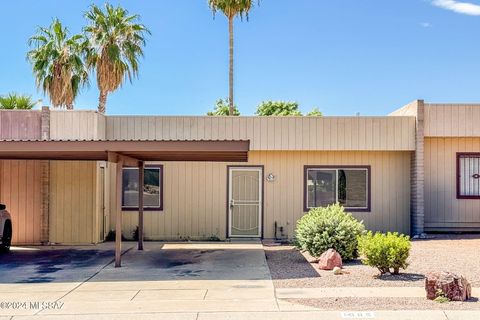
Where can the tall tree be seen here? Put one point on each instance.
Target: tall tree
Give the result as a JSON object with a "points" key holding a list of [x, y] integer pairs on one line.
{"points": [[278, 108], [222, 109], [315, 112], [57, 63], [115, 45], [17, 101], [231, 9]]}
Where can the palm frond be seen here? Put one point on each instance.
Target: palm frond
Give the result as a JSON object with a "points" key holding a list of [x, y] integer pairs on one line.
{"points": [[57, 63]]}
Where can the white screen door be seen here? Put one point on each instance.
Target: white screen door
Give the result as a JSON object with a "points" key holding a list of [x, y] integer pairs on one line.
{"points": [[245, 202]]}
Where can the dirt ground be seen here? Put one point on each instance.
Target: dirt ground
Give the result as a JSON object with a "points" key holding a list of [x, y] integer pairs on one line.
{"points": [[459, 254]]}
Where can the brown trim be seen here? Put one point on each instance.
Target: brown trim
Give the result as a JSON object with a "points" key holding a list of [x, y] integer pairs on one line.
{"points": [[262, 168], [459, 155], [152, 166], [234, 151], [369, 184]]}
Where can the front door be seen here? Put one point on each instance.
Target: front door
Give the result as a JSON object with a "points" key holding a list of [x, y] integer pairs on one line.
{"points": [[245, 202]]}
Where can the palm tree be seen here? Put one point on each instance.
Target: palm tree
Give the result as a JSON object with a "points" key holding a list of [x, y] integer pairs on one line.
{"points": [[17, 101], [115, 44], [231, 9], [57, 63]]}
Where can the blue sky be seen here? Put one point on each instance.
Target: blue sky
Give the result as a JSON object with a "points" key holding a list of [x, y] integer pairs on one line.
{"points": [[342, 56]]}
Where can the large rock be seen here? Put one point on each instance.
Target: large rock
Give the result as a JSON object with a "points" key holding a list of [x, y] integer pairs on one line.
{"points": [[452, 286], [329, 260]]}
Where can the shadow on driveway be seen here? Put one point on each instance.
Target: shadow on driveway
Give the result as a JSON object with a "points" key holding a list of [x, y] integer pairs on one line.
{"points": [[59, 264]]}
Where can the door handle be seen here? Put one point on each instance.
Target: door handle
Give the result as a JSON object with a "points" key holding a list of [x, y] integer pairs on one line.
{"points": [[232, 204]]}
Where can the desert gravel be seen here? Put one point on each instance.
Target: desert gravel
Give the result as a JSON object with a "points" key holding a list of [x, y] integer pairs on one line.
{"points": [[459, 254]]}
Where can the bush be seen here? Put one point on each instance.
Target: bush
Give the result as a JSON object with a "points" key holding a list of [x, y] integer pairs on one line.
{"points": [[385, 251], [328, 228]]}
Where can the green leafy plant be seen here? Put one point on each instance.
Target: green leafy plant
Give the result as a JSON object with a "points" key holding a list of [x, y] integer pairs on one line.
{"points": [[278, 108], [56, 59], [213, 237], [315, 113], [114, 46], [222, 108], [441, 297], [329, 228], [388, 252], [231, 9], [111, 236], [16, 101]]}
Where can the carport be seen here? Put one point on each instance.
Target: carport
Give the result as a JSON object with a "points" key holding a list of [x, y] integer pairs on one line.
{"points": [[126, 154]]}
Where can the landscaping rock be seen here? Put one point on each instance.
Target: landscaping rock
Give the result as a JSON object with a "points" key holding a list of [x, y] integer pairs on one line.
{"points": [[452, 286], [329, 260]]}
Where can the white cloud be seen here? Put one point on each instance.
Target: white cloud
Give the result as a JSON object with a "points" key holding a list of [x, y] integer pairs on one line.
{"points": [[467, 8], [426, 24]]}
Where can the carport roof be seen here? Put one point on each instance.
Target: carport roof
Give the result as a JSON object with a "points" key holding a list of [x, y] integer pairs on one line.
{"points": [[164, 150]]}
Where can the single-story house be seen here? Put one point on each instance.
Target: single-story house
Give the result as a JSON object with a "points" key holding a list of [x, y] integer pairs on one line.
{"points": [[416, 170]]}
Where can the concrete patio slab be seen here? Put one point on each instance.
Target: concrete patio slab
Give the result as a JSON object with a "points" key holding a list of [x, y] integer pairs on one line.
{"points": [[323, 315], [55, 264], [116, 316], [117, 295], [187, 294], [342, 292], [237, 293], [462, 315], [174, 284], [173, 306]]}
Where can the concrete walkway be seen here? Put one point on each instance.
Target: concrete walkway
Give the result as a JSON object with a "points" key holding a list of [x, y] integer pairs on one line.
{"points": [[355, 292]]}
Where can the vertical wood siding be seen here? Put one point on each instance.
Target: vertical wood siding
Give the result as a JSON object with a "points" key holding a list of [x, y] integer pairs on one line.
{"points": [[452, 120], [273, 133], [20, 191], [20, 180], [20, 125], [73, 208], [443, 211], [195, 194], [77, 125]]}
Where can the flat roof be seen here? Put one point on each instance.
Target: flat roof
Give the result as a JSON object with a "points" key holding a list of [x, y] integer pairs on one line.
{"points": [[171, 150]]}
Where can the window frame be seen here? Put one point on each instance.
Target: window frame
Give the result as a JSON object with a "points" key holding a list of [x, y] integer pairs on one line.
{"points": [[367, 168], [459, 156], [160, 183]]}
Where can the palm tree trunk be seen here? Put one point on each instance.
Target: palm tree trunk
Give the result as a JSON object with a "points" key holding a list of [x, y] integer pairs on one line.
{"points": [[102, 102], [70, 107], [230, 94]]}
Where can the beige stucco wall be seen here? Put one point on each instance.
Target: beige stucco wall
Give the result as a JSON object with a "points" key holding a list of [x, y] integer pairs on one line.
{"points": [[443, 211], [195, 194]]}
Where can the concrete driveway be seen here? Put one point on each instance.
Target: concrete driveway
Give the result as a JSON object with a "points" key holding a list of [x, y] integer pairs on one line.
{"points": [[184, 278]]}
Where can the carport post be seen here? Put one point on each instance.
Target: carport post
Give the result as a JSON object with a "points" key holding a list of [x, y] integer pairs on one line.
{"points": [[141, 182], [118, 219]]}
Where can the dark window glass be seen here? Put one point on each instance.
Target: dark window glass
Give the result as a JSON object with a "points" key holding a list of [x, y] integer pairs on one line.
{"points": [[352, 188], [321, 186], [151, 189], [349, 187]]}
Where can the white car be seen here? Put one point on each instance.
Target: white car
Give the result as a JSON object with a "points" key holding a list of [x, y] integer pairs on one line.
{"points": [[5, 229]]}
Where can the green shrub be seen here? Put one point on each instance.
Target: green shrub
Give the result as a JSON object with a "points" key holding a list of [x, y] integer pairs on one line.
{"points": [[328, 228], [385, 251]]}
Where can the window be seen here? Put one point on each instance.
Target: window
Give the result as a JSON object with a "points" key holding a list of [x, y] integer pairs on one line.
{"points": [[468, 175], [348, 185], [152, 190]]}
